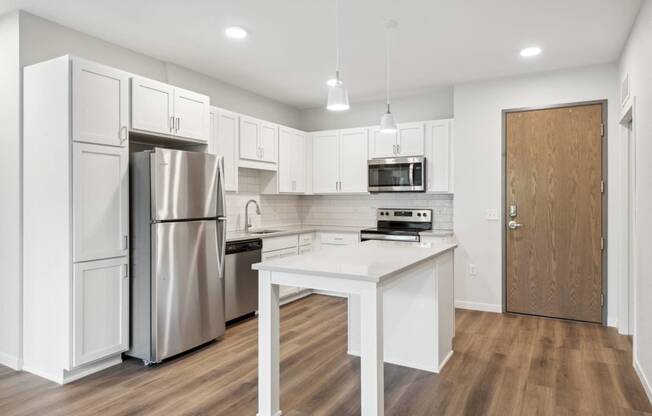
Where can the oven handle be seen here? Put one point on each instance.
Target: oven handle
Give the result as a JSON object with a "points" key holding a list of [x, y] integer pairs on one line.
{"points": [[408, 238]]}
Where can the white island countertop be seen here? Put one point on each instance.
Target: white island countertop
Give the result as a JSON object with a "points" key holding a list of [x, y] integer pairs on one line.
{"points": [[372, 261]]}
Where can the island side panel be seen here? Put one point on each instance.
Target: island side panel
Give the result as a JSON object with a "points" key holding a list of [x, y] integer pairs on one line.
{"points": [[446, 306], [418, 316]]}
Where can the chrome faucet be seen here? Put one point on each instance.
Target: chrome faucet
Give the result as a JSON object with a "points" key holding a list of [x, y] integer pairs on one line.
{"points": [[247, 221]]}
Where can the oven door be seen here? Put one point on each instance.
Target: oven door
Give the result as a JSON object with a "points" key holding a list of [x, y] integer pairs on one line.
{"points": [[397, 175], [366, 236]]}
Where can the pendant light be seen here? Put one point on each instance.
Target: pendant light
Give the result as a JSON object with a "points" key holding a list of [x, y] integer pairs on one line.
{"points": [[338, 97], [387, 122]]}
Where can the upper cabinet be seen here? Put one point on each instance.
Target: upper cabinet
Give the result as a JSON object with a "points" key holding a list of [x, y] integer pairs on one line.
{"points": [[100, 104], [339, 161], [258, 143], [159, 108], [223, 141], [292, 161], [439, 156], [407, 141]]}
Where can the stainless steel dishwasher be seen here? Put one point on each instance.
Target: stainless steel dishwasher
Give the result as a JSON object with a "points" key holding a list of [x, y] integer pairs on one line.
{"points": [[241, 282]]}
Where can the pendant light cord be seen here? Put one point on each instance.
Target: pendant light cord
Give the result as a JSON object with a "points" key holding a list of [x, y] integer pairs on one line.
{"points": [[337, 39], [387, 62]]}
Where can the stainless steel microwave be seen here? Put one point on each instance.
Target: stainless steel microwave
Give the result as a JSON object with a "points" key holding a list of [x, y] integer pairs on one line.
{"points": [[405, 174]]}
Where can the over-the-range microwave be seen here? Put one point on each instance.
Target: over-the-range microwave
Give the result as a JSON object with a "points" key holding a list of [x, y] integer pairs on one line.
{"points": [[404, 174]]}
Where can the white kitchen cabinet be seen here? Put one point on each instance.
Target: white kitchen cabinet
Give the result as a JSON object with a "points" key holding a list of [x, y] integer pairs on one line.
{"points": [[191, 111], [100, 310], [407, 141], [258, 143], [162, 109], [285, 292], [268, 140], [339, 161], [291, 161], [439, 156], [100, 201], [326, 162], [223, 141], [100, 104], [75, 205], [353, 160], [305, 249], [152, 106]]}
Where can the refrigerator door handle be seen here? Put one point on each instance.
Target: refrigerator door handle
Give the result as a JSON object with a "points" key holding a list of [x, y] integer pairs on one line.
{"points": [[222, 215]]}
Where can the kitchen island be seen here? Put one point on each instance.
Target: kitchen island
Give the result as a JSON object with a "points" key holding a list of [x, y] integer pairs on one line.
{"points": [[400, 310]]}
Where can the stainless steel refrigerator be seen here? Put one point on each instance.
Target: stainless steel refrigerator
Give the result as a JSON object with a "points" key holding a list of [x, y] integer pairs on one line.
{"points": [[178, 234]]}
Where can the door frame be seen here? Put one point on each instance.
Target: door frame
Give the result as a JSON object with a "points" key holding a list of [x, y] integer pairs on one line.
{"points": [[503, 195]]}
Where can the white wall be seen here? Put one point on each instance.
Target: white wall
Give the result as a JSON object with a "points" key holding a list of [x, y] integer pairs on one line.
{"points": [[478, 139], [637, 62], [10, 208], [42, 39], [433, 105]]}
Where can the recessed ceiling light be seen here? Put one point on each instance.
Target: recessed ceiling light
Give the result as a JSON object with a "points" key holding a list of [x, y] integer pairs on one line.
{"points": [[236, 32], [531, 51]]}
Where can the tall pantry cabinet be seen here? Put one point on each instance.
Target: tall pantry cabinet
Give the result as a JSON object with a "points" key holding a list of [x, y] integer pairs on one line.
{"points": [[75, 218]]}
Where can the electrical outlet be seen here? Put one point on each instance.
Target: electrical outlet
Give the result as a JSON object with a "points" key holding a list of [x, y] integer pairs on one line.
{"points": [[492, 214], [473, 269]]}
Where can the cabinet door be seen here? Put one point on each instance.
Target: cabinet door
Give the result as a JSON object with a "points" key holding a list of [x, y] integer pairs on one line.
{"points": [[100, 104], [382, 144], [223, 142], [410, 139], [286, 142], [100, 309], [326, 162], [249, 138], [100, 201], [152, 106], [299, 165], [192, 114], [439, 156], [305, 249], [268, 140], [353, 161]]}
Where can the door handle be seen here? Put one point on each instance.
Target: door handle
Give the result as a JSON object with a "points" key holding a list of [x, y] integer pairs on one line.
{"points": [[513, 225]]}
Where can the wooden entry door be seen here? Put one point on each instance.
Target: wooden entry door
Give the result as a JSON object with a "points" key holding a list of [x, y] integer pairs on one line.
{"points": [[554, 203]]}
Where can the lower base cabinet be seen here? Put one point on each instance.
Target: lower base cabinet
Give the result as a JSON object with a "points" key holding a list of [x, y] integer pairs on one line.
{"points": [[100, 309]]}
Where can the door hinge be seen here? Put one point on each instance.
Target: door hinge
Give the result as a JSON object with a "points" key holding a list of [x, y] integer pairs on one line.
{"points": [[601, 243], [601, 187], [601, 299], [601, 129]]}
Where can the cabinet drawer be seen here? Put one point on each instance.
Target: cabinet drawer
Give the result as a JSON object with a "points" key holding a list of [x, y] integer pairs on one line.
{"points": [[279, 254], [306, 238], [305, 249], [338, 238], [278, 243]]}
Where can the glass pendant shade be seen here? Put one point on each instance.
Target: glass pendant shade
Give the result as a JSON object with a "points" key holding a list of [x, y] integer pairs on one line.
{"points": [[338, 97], [387, 123]]}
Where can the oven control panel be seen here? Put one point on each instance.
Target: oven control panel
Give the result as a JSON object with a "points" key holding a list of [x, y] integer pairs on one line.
{"points": [[407, 215]]}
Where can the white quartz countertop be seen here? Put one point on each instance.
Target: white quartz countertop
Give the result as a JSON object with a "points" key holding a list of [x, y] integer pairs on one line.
{"points": [[369, 261], [291, 229]]}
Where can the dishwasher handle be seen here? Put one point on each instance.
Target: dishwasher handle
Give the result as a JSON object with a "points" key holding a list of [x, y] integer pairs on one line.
{"points": [[243, 246]]}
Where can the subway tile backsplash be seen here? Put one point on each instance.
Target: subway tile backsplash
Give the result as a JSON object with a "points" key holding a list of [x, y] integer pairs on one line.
{"points": [[355, 210]]}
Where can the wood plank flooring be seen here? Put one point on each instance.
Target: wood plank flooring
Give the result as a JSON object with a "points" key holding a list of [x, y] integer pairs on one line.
{"points": [[503, 365]]}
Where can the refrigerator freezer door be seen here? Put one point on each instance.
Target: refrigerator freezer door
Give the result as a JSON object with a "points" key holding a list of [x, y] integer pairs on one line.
{"points": [[188, 304], [184, 185]]}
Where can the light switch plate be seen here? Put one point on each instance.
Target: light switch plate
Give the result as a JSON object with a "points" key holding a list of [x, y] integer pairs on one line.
{"points": [[473, 270], [492, 214]]}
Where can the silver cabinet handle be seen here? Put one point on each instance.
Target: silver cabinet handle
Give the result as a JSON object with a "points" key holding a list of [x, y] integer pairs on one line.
{"points": [[171, 123], [126, 271], [398, 149], [513, 225], [126, 242], [178, 124], [123, 134]]}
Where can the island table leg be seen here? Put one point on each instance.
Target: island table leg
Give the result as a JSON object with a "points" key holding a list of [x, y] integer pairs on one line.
{"points": [[268, 346], [372, 383]]}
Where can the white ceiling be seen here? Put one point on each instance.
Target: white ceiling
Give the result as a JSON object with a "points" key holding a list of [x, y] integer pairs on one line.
{"points": [[290, 51]]}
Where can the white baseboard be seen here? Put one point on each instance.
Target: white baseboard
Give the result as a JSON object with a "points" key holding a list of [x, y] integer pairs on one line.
{"points": [[64, 377], [477, 306], [443, 363], [10, 361], [644, 381], [329, 293]]}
